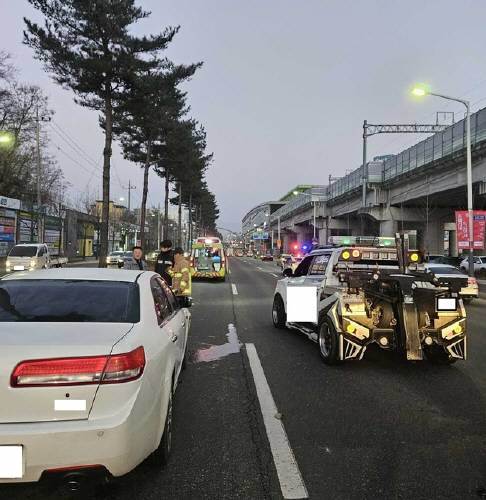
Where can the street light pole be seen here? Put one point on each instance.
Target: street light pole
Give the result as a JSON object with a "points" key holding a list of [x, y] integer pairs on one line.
{"points": [[422, 91]]}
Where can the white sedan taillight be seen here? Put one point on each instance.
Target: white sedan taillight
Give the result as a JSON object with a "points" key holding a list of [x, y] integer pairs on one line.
{"points": [[79, 371], [472, 282]]}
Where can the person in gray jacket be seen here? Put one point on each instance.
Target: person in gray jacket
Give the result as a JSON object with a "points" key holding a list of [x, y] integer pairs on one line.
{"points": [[137, 262]]}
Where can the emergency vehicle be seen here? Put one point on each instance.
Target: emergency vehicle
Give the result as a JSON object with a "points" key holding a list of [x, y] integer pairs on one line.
{"points": [[371, 290], [208, 259]]}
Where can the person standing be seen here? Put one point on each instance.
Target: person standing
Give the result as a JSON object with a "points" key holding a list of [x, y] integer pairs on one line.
{"points": [[165, 260], [181, 274], [137, 262]]}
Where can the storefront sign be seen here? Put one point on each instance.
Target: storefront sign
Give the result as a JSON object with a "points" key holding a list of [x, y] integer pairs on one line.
{"points": [[9, 203], [462, 228], [7, 230]]}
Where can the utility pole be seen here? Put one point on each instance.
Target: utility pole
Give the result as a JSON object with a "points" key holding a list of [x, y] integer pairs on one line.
{"points": [[38, 119], [37, 136], [158, 227], [129, 189]]}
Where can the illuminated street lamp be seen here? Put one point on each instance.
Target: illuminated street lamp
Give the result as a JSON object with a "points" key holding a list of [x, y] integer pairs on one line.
{"points": [[423, 90], [6, 138], [296, 193]]}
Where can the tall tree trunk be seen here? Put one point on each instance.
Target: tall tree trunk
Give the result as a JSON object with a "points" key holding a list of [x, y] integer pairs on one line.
{"points": [[189, 243], [166, 205], [143, 207], [179, 234], [105, 212]]}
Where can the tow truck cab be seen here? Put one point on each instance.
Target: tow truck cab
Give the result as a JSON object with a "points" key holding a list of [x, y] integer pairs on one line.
{"points": [[372, 290]]}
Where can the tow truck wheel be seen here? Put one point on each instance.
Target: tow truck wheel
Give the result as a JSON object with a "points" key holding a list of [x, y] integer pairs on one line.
{"points": [[438, 356], [278, 313], [328, 343]]}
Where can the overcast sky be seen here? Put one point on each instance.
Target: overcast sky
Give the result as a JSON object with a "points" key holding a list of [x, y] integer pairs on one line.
{"points": [[285, 86]]}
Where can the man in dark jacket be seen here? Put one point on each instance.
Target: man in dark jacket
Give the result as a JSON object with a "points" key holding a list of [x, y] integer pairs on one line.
{"points": [[165, 260]]}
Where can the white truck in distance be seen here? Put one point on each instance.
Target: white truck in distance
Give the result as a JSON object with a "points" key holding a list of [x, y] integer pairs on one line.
{"points": [[30, 256]]}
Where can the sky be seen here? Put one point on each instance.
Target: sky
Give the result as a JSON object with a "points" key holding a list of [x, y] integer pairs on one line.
{"points": [[284, 88]]}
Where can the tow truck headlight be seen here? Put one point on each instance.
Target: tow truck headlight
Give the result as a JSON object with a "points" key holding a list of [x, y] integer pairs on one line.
{"points": [[355, 329], [32, 263]]}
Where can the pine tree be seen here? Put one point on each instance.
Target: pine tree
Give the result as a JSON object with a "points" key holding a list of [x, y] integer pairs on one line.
{"points": [[87, 47]]}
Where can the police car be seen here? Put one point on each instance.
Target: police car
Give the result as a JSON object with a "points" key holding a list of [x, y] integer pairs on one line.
{"points": [[371, 290]]}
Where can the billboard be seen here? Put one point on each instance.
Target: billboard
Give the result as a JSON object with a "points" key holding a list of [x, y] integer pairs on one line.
{"points": [[260, 235], [462, 228], [7, 230]]}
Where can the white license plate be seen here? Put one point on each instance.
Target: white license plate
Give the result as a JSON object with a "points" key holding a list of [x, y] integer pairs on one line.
{"points": [[11, 462], [19, 268]]}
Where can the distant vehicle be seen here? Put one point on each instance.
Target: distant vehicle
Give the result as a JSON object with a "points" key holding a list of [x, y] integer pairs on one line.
{"points": [[249, 253], [444, 259], [479, 265], [283, 259], [468, 293], [239, 252], [208, 259], [266, 257], [32, 256], [114, 257], [104, 398]]}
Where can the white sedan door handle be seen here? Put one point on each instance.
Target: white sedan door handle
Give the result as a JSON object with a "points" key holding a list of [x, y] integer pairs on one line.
{"points": [[173, 338], [183, 323]]}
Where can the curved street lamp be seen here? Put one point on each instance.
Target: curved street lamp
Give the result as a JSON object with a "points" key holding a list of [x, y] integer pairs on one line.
{"points": [[422, 90]]}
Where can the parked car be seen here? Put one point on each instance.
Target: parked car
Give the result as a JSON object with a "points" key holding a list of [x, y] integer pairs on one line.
{"points": [[114, 257], [267, 257], [123, 258], [89, 362], [32, 256], [444, 270], [479, 265], [445, 259]]}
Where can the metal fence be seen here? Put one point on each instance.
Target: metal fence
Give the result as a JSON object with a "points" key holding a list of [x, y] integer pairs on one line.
{"points": [[436, 147], [300, 202]]}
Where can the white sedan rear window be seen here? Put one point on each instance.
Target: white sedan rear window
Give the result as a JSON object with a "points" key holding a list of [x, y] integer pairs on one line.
{"points": [[69, 301]]}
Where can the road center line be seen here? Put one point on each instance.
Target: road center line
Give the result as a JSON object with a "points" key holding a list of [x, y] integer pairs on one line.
{"points": [[289, 476], [233, 287]]}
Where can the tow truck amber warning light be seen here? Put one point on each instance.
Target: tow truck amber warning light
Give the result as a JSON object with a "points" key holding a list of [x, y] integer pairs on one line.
{"points": [[414, 257]]}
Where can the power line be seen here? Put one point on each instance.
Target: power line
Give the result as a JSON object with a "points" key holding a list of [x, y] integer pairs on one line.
{"points": [[73, 144]]}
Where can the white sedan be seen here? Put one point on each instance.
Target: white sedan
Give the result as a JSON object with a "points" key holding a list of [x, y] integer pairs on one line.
{"points": [[89, 361]]}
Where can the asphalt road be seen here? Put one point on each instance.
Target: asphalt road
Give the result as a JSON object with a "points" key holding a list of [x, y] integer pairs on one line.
{"points": [[381, 428]]}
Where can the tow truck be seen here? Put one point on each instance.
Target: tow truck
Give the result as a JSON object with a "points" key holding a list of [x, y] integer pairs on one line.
{"points": [[360, 291]]}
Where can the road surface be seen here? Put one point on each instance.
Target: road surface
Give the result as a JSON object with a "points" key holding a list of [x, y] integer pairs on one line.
{"points": [[379, 429]]}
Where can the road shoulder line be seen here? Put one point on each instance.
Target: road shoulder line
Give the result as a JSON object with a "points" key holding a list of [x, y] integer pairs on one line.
{"points": [[290, 478]]}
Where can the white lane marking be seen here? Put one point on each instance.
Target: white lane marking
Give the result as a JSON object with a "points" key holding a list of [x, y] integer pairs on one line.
{"points": [[70, 405], [289, 476], [233, 287], [258, 267], [276, 275]]}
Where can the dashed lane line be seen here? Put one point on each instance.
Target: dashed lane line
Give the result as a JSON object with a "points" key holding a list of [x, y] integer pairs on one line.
{"points": [[234, 289], [289, 476]]}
